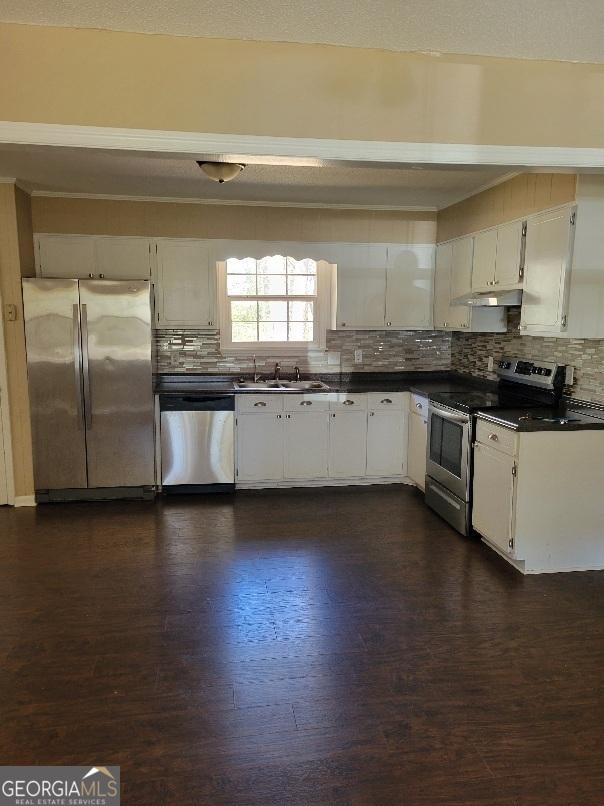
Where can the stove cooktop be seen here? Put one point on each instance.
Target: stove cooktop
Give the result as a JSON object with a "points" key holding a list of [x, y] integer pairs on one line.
{"points": [[477, 399]]}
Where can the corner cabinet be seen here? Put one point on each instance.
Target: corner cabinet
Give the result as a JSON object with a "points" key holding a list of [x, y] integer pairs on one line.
{"points": [[452, 278], [384, 287], [184, 284]]}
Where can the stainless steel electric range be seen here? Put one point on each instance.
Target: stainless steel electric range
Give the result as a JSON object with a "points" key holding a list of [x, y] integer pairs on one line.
{"points": [[533, 387]]}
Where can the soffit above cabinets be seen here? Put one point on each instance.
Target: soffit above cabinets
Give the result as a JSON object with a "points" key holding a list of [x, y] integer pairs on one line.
{"points": [[569, 31], [113, 173]]}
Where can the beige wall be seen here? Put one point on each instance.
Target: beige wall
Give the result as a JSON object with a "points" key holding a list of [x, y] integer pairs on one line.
{"points": [[520, 196], [166, 219], [126, 80], [16, 255]]}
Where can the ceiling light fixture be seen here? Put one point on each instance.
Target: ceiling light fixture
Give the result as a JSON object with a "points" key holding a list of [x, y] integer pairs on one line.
{"points": [[221, 171]]}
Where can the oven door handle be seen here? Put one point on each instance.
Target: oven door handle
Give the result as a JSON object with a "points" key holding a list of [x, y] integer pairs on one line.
{"points": [[447, 414]]}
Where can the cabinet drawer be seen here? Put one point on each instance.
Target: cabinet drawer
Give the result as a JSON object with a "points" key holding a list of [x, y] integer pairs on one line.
{"points": [[303, 402], [342, 401], [495, 436], [419, 404], [384, 401], [259, 404]]}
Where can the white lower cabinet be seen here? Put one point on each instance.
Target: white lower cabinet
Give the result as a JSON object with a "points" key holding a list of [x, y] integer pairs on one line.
{"points": [[306, 445], [260, 447], [386, 443], [315, 438], [347, 444], [416, 452], [493, 502]]}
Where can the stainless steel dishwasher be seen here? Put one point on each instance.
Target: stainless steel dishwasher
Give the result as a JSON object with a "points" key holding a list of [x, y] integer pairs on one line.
{"points": [[197, 443]]}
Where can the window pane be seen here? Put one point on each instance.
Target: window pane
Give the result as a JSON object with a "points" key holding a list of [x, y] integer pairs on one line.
{"points": [[245, 266], [273, 331], [238, 285], [272, 311], [301, 311], [244, 331], [301, 284], [305, 266], [273, 264], [272, 284], [244, 311], [300, 331]]}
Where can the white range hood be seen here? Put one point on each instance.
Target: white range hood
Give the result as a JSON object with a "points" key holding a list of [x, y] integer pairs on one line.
{"points": [[490, 299]]}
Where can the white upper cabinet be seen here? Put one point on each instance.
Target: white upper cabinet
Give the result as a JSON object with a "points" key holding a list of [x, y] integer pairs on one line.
{"points": [[361, 287], [509, 267], [184, 287], [547, 270], [69, 256], [485, 257], [409, 280], [498, 258], [461, 267], [123, 258]]}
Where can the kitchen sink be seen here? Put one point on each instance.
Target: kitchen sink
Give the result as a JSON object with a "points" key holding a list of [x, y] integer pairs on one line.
{"points": [[282, 386]]}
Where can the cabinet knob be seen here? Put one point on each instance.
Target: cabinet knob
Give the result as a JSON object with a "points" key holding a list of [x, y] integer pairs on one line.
{"points": [[386, 400], [418, 406], [446, 324], [288, 416], [372, 414], [102, 276], [260, 403], [494, 437], [210, 323], [91, 276], [306, 402], [348, 403], [278, 416], [343, 324], [389, 323]]}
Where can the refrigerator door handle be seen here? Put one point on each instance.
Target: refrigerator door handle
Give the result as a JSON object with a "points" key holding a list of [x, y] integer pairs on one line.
{"points": [[86, 368], [77, 364]]}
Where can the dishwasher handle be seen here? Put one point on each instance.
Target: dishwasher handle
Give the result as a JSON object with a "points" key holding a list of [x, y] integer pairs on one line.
{"points": [[197, 402]]}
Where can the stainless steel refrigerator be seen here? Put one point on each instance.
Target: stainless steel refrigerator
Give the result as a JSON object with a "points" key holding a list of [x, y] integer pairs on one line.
{"points": [[90, 387]]}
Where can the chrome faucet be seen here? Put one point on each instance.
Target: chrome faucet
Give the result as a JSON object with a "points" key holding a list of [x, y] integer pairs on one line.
{"points": [[256, 375], [297, 373], [277, 370]]}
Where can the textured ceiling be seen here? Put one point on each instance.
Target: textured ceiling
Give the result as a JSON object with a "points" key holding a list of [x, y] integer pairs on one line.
{"points": [[84, 171], [568, 30]]}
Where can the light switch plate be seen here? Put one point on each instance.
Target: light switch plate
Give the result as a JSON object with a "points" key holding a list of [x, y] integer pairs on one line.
{"points": [[358, 356], [569, 375]]}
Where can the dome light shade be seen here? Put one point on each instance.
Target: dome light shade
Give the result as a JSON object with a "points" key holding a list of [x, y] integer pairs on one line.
{"points": [[221, 171]]}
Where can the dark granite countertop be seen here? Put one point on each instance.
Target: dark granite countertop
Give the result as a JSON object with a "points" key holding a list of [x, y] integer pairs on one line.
{"points": [[424, 383], [565, 418]]}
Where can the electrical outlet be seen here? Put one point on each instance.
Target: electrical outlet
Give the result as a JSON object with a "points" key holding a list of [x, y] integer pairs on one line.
{"points": [[569, 375], [490, 364], [358, 356], [333, 357]]}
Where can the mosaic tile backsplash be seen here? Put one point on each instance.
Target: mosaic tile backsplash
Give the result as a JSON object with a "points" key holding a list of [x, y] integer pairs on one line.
{"points": [[383, 351], [470, 353]]}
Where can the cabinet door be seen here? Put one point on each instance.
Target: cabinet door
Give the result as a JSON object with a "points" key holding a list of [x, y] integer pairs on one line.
{"points": [[347, 444], [509, 249], [409, 277], [123, 258], [306, 451], [461, 267], [361, 287], [416, 455], [442, 286], [386, 443], [483, 264], [546, 270], [183, 290], [493, 495], [259, 447], [66, 256]]}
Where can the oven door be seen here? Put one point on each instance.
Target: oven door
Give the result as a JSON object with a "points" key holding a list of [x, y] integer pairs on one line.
{"points": [[448, 449]]}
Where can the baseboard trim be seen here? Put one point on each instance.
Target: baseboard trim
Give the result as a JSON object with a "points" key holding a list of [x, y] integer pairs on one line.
{"points": [[355, 482], [25, 501]]}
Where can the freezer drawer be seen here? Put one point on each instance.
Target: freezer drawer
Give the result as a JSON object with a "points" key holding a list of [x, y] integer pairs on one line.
{"points": [[197, 447]]}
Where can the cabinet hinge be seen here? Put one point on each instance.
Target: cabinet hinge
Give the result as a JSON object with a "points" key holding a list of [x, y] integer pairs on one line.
{"points": [[514, 470], [521, 273], [524, 229], [564, 321], [573, 218], [511, 543]]}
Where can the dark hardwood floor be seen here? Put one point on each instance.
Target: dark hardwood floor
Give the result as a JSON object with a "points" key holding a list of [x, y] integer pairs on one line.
{"points": [[335, 646]]}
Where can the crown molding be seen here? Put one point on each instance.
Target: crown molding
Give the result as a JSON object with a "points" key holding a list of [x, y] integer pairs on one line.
{"points": [[296, 150], [234, 202], [487, 186]]}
